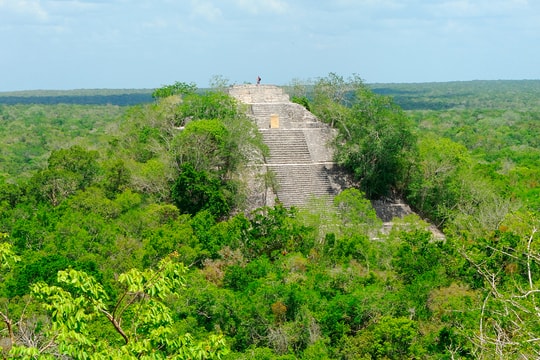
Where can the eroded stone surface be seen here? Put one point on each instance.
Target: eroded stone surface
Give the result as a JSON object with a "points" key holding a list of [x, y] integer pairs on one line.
{"points": [[300, 165], [301, 157]]}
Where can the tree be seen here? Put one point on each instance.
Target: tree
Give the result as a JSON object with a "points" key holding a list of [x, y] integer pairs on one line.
{"points": [[203, 144], [11, 194], [331, 100], [210, 131], [153, 177], [219, 83], [76, 160], [436, 185], [54, 186], [297, 90], [375, 141], [277, 231], [381, 147], [139, 317], [356, 212], [337, 89], [116, 177], [8, 258], [178, 88], [445, 188], [507, 271], [195, 190], [394, 338]]}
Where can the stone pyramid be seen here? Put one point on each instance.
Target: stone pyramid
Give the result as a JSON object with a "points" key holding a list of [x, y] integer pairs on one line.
{"points": [[301, 158]]}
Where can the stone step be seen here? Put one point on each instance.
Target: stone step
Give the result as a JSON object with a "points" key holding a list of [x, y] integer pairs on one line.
{"points": [[298, 183], [287, 147], [290, 115], [298, 144]]}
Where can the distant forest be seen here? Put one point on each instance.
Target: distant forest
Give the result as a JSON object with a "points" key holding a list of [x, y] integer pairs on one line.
{"points": [[120, 97], [495, 94], [486, 94]]}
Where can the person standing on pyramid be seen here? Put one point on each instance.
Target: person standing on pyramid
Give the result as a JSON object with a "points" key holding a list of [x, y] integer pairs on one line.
{"points": [[258, 80]]}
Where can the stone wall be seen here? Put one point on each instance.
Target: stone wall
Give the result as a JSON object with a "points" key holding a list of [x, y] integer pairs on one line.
{"points": [[252, 94]]}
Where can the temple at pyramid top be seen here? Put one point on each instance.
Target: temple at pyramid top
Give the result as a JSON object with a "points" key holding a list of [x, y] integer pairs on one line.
{"points": [[253, 94]]}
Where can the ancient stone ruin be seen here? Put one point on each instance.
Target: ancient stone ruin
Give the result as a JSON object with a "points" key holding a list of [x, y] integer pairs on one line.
{"points": [[301, 158]]}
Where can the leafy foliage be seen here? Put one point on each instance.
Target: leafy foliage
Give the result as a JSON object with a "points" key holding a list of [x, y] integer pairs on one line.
{"points": [[31, 132], [375, 141], [204, 145], [195, 191], [178, 88], [139, 316], [91, 233]]}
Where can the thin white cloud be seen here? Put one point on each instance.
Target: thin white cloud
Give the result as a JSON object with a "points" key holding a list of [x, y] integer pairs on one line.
{"points": [[74, 5], [263, 6], [156, 23], [26, 8], [478, 8], [384, 4], [206, 9], [122, 38]]}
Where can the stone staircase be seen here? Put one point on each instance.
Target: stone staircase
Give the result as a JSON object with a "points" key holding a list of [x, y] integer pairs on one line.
{"points": [[290, 115], [298, 177], [287, 146], [300, 158]]}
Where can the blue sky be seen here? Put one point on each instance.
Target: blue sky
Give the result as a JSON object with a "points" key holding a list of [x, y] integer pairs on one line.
{"points": [[72, 44]]}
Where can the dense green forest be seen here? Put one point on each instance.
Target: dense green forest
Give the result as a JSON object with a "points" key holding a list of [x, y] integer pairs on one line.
{"points": [[121, 97], [480, 95], [124, 234]]}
